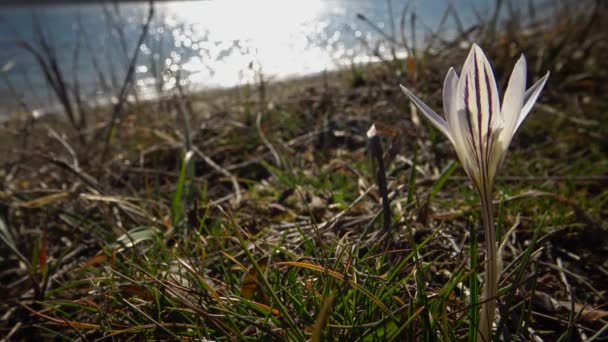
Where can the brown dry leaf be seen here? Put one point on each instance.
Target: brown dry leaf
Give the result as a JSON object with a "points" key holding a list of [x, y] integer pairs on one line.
{"points": [[386, 130], [587, 313], [44, 200], [411, 68], [249, 283], [87, 301], [137, 291], [123, 202], [448, 215], [96, 260], [61, 321]]}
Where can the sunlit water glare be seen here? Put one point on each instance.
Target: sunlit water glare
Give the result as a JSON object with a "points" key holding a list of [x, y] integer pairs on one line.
{"points": [[214, 43]]}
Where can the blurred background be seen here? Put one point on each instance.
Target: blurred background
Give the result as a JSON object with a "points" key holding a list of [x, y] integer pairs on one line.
{"points": [[52, 53]]}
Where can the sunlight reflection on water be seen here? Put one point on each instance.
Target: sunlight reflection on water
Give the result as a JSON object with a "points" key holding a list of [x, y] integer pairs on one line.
{"points": [[200, 43], [237, 39]]}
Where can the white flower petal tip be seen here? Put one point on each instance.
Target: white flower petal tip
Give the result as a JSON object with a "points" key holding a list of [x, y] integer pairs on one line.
{"points": [[530, 97], [476, 124], [371, 132]]}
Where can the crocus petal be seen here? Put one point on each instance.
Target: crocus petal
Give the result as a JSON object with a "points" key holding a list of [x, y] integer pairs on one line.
{"points": [[456, 121], [530, 98], [449, 98], [478, 94], [478, 106], [437, 120], [513, 102]]}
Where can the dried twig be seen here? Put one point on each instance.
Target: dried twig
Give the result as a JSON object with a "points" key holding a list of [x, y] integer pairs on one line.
{"points": [[122, 96], [275, 154], [214, 165]]}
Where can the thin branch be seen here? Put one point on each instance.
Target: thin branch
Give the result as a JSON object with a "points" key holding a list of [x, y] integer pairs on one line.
{"points": [[122, 96]]}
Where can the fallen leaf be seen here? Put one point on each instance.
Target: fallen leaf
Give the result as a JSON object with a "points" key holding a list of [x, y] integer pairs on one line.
{"points": [[249, 283], [587, 313]]}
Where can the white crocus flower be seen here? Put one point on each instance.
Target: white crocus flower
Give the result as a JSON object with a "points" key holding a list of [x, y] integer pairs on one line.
{"points": [[477, 126], [481, 131]]}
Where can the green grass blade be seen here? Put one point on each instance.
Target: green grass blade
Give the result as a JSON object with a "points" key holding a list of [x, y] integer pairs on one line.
{"points": [[444, 178], [177, 208]]}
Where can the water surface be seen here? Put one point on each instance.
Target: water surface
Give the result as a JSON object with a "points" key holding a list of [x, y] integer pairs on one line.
{"points": [[201, 43]]}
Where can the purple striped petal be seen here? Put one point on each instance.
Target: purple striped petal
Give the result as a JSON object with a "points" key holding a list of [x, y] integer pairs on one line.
{"points": [[475, 123], [478, 106], [456, 119]]}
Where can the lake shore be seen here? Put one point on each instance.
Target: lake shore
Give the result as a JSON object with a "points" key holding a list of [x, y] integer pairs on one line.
{"points": [[202, 101]]}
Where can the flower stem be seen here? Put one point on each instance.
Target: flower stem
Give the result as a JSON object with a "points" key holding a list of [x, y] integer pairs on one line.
{"points": [[491, 267]]}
